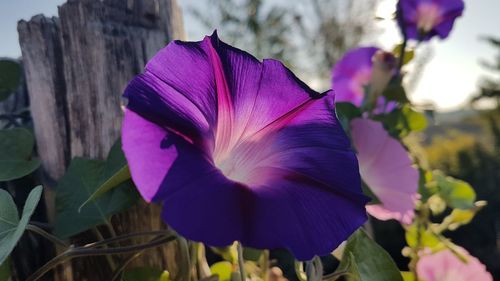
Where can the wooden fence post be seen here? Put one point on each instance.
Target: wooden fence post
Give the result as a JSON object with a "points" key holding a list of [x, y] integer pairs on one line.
{"points": [[77, 66]]}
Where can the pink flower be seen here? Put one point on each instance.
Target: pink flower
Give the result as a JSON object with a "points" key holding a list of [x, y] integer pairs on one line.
{"points": [[446, 266], [387, 169], [362, 68]]}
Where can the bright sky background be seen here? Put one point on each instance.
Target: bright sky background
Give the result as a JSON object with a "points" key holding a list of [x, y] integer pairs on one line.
{"points": [[449, 78]]}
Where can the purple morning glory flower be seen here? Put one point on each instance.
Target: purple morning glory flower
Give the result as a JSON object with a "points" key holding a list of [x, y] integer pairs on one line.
{"points": [[356, 71], [238, 149], [423, 19]]}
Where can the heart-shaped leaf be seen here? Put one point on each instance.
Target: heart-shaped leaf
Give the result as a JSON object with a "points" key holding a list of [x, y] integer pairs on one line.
{"points": [[81, 180], [16, 146], [370, 260], [115, 172], [11, 227]]}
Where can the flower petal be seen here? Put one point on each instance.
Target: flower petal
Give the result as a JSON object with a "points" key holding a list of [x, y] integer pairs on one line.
{"points": [[303, 185], [448, 9], [162, 104], [262, 93], [158, 158], [307, 173], [386, 168], [352, 73]]}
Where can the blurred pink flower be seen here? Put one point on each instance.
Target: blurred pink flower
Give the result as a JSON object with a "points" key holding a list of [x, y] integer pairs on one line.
{"points": [[446, 266], [387, 169], [361, 69]]}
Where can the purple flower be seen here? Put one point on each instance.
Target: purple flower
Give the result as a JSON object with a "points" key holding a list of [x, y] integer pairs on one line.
{"points": [[238, 149], [445, 265], [387, 169], [423, 19], [362, 70]]}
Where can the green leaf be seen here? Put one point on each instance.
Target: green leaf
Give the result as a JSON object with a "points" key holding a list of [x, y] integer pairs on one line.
{"points": [[115, 172], [5, 270], [11, 227], [10, 76], [81, 180], [415, 121], [347, 265], [251, 254], [456, 193], [346, 111], [400, 122], [223, 269], [425, 177], [459, 217], [16, 146], [372, 261], [146, 274], [395, 91], [409, 53]]}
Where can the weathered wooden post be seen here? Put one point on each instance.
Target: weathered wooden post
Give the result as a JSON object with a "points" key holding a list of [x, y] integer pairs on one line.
{"points": [[77, 66]]}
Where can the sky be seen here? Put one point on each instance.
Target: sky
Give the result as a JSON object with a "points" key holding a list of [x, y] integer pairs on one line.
{"points": [[449, 79]]}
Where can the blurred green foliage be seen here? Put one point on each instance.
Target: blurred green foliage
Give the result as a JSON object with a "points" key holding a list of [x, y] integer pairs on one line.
{"points": [[10, 77], [475, 159], [312, 34], [16, 147]]}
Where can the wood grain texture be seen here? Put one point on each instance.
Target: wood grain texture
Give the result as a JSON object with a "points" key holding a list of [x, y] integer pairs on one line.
{"points": [[77, 66]]}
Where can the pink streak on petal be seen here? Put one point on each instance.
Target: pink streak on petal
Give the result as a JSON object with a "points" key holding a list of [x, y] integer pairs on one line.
{"points": [[141, 140], [279, 93], [281, 121], [225, 111], [387, 169]]}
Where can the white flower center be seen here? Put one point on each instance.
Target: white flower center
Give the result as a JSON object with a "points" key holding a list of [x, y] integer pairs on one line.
{"points": [[428, 16]]}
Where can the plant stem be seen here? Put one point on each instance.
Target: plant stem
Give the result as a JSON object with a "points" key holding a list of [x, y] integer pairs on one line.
{"points": [[265, 265], [241, 261], [203, 268], [90, 250], [110, 260], [129, 236], [47, 235], [185, 272], [310, 271], [400, 17], [299, 271], [335, 275], [124, 265], [314, 269]]}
